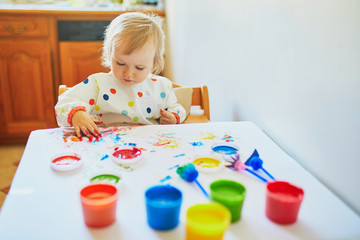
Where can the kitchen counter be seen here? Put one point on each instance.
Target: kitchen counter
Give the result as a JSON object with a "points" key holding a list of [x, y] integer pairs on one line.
{"points": [[65, 8]]}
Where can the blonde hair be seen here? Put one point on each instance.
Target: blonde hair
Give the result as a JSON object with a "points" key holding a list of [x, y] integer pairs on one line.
{"points": [[132, 31]]}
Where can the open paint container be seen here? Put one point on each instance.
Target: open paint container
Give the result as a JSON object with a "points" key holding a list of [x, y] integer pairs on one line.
{"points": [[66, 162], [106, 177], [126, 155], [225, 150], [207, 163]]}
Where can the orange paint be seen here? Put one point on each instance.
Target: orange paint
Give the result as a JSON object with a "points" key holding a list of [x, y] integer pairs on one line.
{"points": [[99, 204]]}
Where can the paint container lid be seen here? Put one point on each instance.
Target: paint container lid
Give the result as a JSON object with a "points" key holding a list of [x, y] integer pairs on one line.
{"points": [[225, 148], [106, 176], [207, 163], [126, 155], [66, 162]]}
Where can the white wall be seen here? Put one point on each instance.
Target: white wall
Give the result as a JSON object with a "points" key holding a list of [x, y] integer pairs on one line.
{"points": [[291, 67]]}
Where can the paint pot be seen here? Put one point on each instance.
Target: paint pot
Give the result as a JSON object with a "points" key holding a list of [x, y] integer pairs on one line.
{"points": [[207, 221], [225, 148], [66, 162], [283, 202], [229, 193], [208, 163], [163, 203], [107, 177], [126, 155], [98, 202]]}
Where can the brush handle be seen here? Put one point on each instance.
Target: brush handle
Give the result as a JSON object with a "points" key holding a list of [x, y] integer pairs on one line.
{"points": [[202, 189], [256, 175], [267, 173]]}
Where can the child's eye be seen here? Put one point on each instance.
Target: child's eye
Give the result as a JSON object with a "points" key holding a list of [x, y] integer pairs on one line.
{"points": [[120, 64], [140, 68]]}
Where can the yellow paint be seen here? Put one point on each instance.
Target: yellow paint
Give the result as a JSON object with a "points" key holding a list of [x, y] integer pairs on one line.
{"points": [[207, 162]]}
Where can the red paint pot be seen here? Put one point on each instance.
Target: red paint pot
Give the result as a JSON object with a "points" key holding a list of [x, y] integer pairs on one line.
{"points": [[99, 204], [126, 155], [66, 162], [283, 202]]}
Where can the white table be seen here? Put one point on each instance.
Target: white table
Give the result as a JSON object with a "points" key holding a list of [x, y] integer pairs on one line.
{"points": [[43, 204]]}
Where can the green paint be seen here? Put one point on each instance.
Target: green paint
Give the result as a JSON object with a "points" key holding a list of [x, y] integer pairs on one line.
{"points": [[109, 178]]}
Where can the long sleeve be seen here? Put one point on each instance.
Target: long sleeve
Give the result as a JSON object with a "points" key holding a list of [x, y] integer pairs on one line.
{"points": [[172, 105], [83, 95]]}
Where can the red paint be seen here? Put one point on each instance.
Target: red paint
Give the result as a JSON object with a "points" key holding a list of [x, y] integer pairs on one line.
{"points": [[127, 153], [69, 157]]}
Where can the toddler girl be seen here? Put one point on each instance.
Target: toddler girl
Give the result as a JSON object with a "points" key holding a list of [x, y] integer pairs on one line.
{"points": [[130, 93]]}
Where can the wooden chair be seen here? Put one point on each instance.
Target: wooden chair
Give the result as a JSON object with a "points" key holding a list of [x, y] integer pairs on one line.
{"points": [[200, 98]]}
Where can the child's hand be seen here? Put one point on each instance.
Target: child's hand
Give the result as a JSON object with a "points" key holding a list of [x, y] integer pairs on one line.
{"points": [[84, 123], [167, 117]]}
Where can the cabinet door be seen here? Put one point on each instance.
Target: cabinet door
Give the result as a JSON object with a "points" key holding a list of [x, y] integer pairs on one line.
{"points": [[26, 88], [78, 60]]}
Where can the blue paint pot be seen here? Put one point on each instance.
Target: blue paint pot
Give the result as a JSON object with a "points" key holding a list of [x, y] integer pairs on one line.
{"points": [[227, 149], [163, 204]]}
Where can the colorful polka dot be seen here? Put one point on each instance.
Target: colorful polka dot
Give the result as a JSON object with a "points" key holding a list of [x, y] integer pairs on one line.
{"points": [[162, 95], [86, 81], [153, 79], [140, 94], [98, 88], [131, 104], [91, 101], [124, 112], [136, 119], [148, 110], [97, 107], [100, 114], [106, 97], [112, 90]]}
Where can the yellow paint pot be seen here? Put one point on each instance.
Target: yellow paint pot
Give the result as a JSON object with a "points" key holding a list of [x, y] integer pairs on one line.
{"points": [[207, 221], [207, 163]]}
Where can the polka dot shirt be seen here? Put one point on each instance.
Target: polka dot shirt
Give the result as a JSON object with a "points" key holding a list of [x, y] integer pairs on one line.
{"points": [[108, 100]]}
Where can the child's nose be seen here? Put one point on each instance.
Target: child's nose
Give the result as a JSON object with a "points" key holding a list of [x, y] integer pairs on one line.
{"points": [[127, 71]]}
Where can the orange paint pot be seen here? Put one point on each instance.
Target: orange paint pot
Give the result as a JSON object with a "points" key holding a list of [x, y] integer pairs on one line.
{"points": [[99, 204]]}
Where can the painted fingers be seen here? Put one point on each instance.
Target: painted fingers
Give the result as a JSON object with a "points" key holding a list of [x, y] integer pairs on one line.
{"points": [[167, 117]]}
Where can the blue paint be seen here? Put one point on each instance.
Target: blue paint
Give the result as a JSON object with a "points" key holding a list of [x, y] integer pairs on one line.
{"points": [[224, 149], [180, 155], [165, 179], [197, 144], [177, 165], [116, 138], [105, 156]]}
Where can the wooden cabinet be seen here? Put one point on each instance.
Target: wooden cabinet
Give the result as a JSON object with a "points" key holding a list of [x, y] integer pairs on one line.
{"points": [[26, 78], [78, 60]]}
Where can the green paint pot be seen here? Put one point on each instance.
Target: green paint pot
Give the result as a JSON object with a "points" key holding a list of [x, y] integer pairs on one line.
{"points": [[106, 177], [229, 193]]}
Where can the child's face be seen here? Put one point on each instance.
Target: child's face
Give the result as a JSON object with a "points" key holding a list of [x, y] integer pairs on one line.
{"points": [[134, 68]]}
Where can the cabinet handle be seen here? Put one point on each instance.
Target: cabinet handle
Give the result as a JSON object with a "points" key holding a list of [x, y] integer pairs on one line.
{"points": [[16, 31]]}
